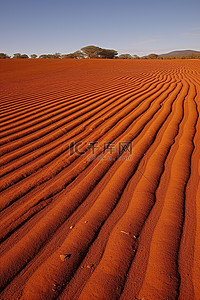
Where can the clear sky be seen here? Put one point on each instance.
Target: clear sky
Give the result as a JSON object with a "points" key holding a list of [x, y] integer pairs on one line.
{"points": [[128, 26]]}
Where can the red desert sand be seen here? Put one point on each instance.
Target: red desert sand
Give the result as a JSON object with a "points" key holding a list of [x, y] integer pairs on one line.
{"points": [[100, 179]]}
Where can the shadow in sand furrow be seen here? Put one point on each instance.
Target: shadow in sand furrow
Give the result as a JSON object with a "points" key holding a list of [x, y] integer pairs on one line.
{"points": [[148, 250], [59, 213], [122, 126], [123, 241], [162, 277], [189, 246], [58, 105], [82, 236], [117, 107]]}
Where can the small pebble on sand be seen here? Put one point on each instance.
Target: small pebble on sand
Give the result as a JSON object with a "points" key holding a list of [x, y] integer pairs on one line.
{"points": [[64, 257]]}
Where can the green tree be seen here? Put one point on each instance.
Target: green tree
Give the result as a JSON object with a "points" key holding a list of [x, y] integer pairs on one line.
{"points": [[69, 56], [125, 56], [33, 56], [78, 54], [24, 56], [19, 55], [4, 56], [107, 53], [153, 56], [50, 56], [97, 52], [43, 56], [91, 51], [56, 55], [46, 56]]}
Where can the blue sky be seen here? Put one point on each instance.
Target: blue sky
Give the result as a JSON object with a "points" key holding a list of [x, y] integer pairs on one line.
{"points": [[128, 26]]}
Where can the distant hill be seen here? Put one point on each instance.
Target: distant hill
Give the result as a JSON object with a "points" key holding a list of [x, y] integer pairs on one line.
{"points": [[180, 53]]}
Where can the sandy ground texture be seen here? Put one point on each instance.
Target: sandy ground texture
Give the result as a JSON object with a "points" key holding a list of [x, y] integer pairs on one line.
{"points": [[100, 189]]}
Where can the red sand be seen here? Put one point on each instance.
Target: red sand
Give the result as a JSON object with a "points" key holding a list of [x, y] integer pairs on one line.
{"points": [[75, 227]]}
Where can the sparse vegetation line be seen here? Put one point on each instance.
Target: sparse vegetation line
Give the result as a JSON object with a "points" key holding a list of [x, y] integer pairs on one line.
{"points": [[94, 52]]}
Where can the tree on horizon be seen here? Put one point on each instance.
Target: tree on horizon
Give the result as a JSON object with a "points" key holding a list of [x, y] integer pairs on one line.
{"points": [[125, 56], [33, 56], [91, 51], [97, 52], [4, 56], [20, 56]]}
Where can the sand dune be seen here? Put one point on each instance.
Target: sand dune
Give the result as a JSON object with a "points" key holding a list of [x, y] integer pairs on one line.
{"points": [[99, 189]]}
